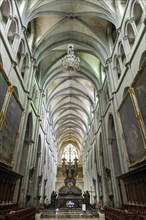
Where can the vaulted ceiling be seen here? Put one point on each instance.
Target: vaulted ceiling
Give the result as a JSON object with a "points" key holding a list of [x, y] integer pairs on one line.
{"points": [[90, 25]]}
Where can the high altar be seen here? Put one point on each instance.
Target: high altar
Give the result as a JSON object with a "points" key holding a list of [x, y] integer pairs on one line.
{"points": [[69, 196]]}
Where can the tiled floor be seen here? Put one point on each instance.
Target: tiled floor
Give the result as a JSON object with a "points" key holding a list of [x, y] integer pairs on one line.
{"points": [[101, 218]]}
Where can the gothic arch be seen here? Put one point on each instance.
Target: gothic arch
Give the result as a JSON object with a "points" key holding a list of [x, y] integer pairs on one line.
{"points": [[25, 65], [20, 53], [129, 31], [137, 14], [6, 11], [117, 67], [12, 31], [29, 127], [122, 53]]}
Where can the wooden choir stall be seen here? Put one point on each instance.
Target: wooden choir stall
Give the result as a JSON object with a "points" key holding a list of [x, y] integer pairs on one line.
{"points": [[135, 208], [9, 210]]}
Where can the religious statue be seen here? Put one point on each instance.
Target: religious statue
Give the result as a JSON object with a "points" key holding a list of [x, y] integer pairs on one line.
{"points": [[53, 199], [87, 199]]}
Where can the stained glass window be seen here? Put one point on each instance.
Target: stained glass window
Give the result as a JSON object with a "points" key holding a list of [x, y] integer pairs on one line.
{"points": [[70, 153]]}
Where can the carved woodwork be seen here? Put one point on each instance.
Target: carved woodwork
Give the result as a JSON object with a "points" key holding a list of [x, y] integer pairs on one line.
{"points": [[119, 214], [21, 214], [135, 185], [9, 210], [8, 179]]}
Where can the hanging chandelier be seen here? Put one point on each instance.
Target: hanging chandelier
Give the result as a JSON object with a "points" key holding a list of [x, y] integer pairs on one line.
{"points": [[70, 62]]}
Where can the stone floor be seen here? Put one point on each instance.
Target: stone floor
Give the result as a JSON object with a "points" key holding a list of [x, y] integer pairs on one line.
{"points": [[100, 218]]}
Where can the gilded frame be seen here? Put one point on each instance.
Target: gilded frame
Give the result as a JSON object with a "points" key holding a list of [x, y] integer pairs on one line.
{"points": [[10, 119], [4, 94], [132, 130], [139, 96]]}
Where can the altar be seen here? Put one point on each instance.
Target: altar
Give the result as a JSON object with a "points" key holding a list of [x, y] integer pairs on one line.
{"points": [[69, 196], [69, 202]]}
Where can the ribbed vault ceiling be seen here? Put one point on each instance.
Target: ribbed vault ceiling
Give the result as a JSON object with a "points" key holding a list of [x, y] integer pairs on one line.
{"points": [[53, 24]]}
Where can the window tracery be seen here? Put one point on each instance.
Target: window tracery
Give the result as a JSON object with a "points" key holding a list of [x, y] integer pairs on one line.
{"points": [[70, 153]]}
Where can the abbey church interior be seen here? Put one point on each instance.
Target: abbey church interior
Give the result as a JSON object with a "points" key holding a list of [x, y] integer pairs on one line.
{"points": [[73, 109]]}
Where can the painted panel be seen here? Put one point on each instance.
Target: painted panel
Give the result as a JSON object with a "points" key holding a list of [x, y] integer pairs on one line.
{"points": [[3, 88], [140, 92], [132, 131], [9, 130]]}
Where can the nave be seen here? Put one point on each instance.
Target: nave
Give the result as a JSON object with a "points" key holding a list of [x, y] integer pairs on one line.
{"points": [[73, 107]]}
